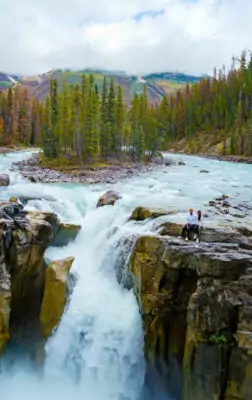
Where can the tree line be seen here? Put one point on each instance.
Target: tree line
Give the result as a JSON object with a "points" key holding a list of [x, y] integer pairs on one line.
{"points": [[221, 106], [81, 121], [21, 117], [93, 124]]}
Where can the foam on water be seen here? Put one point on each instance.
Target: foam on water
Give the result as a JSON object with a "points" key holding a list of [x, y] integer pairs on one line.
{"points": [[97, 351]]}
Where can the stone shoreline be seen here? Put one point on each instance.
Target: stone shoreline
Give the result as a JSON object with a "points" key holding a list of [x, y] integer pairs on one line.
{"points": [[31, 170]]}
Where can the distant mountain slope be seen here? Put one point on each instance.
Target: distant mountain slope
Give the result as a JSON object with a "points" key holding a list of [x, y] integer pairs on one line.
{"points": [[6, 81], [157, 83]]}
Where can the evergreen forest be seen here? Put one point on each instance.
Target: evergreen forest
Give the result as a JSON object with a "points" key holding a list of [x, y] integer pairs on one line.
{"points": [[79, 121]]}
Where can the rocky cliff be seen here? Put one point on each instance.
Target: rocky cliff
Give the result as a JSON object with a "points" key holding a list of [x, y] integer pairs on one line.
{"points": [[196, 306], [24, 237]]}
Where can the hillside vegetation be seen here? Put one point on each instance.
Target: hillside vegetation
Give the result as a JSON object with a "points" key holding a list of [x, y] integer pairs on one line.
{"points": [[21, 117], [213, 115], [157, 84]]}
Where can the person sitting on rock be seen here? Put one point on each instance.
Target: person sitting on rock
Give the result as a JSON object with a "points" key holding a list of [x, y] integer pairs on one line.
{"points": [[198, 226], [190, 225]]}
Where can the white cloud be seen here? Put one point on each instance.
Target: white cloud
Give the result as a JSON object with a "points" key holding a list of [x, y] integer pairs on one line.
{"points": [[191, 35]]}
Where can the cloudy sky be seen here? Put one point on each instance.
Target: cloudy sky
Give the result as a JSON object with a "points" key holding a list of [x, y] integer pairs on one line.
{"points": [[136, 36]]}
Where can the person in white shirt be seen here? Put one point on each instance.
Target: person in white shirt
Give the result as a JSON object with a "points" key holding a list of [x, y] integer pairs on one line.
{"points": [[190, 224]]}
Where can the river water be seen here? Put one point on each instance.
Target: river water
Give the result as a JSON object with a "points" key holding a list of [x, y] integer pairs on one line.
{"points": [[97, 351]]}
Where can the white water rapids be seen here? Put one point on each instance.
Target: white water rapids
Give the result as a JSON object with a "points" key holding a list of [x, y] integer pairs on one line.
{"points": [[97, 351]]}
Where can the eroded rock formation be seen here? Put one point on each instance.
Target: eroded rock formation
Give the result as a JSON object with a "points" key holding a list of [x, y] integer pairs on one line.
{"points": [[196, 306], [24, 237], [23, 242]]}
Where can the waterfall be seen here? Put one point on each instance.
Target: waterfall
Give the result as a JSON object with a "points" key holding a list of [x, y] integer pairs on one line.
{"points": [[99, 343], [97, 351]]}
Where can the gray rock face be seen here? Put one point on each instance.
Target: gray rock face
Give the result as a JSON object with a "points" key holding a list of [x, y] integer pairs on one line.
{"points": [[24, 237], [23, 242], [196, 306], [4, 180], [237, 236]]}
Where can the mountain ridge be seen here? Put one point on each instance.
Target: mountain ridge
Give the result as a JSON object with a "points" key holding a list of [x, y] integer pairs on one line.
{"points": [[157, 83]]}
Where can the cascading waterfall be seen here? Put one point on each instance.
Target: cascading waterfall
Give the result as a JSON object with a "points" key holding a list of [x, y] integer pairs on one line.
{"points": [[101, 328], [97, 351]]}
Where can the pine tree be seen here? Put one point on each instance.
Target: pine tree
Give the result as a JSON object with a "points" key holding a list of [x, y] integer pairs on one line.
{"points": [[111, 120], [53, 138], [103, 121], [120, 119]]}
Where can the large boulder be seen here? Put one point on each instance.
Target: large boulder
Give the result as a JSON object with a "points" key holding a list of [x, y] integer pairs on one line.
{"points": [[49, 217], [66, 233], [142, 213], [13, 199], [108, 199], [55, 295], [169, 229], [4, 180], [196, 308], [10, 210]]}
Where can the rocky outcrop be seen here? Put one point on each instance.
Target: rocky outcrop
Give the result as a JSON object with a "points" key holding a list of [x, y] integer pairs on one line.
{"points": [[108, 199], [4, 180], [29, 238], [218, 346], [196, 306], [49, 217], [239, 236], [65, 234], [55, 295], [142, 213], [24, 238]]}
